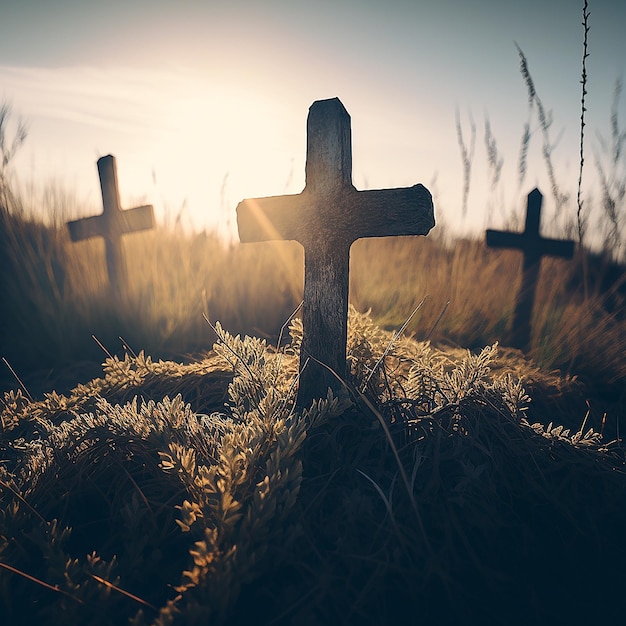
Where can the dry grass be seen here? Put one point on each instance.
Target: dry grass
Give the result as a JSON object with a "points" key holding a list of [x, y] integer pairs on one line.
{"points": [[435, 497], [578, 336], [56, 298]]}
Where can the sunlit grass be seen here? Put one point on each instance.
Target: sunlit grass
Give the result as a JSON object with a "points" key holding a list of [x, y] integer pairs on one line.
{"points": [[234, 506], [161, 493], [55, 296]]}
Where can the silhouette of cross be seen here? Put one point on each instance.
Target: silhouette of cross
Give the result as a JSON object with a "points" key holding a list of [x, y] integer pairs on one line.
{"points": [[326, 218], [112, 223], [534, 247]]}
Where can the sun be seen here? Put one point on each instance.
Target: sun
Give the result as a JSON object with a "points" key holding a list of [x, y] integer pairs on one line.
{"points": [[220, 144]]}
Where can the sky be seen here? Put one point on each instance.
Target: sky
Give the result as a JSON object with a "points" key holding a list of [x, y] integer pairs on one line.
{"points": [[205, 103]]}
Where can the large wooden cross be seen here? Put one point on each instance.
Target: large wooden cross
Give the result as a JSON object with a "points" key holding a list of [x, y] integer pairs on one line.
{"points": [[326, 218], [112, 223], [534, 246]]}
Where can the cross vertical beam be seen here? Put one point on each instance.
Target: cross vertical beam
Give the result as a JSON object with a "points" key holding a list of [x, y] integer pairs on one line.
{"points": [[534, 247], [326, 218], [112, 223]]}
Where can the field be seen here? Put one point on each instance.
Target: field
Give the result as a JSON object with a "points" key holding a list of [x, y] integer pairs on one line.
{"points": [[149, 478], [56, 299], [154, 468]]}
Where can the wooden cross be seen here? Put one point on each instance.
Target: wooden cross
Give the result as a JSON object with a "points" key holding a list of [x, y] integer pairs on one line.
{"points": [[534, 246], [326, 218], [112, 223]]}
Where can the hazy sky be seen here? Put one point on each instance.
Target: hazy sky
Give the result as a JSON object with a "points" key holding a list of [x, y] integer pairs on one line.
{"points": [[204, 103]]}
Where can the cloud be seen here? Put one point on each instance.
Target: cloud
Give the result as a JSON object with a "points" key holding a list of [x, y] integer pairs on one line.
{"points": [[121, 99]]}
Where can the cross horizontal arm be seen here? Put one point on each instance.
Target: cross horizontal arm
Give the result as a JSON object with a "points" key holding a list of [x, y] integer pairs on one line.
{"points": [[140, 218], [536, 245], [502, 239], [558, 247], [86, 227], [389, 212], [348, 215], [274, 217]]}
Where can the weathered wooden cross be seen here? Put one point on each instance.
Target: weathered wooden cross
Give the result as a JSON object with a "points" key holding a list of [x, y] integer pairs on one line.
{"points": [[534, 246], [326, 218], [112, 223]]}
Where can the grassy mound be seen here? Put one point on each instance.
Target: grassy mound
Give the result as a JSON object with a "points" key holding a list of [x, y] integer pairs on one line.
{"points": [[429, 492]]}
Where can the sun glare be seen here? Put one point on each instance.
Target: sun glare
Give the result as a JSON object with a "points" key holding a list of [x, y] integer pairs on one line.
{"points": [[214, 152], [192, 144]]}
